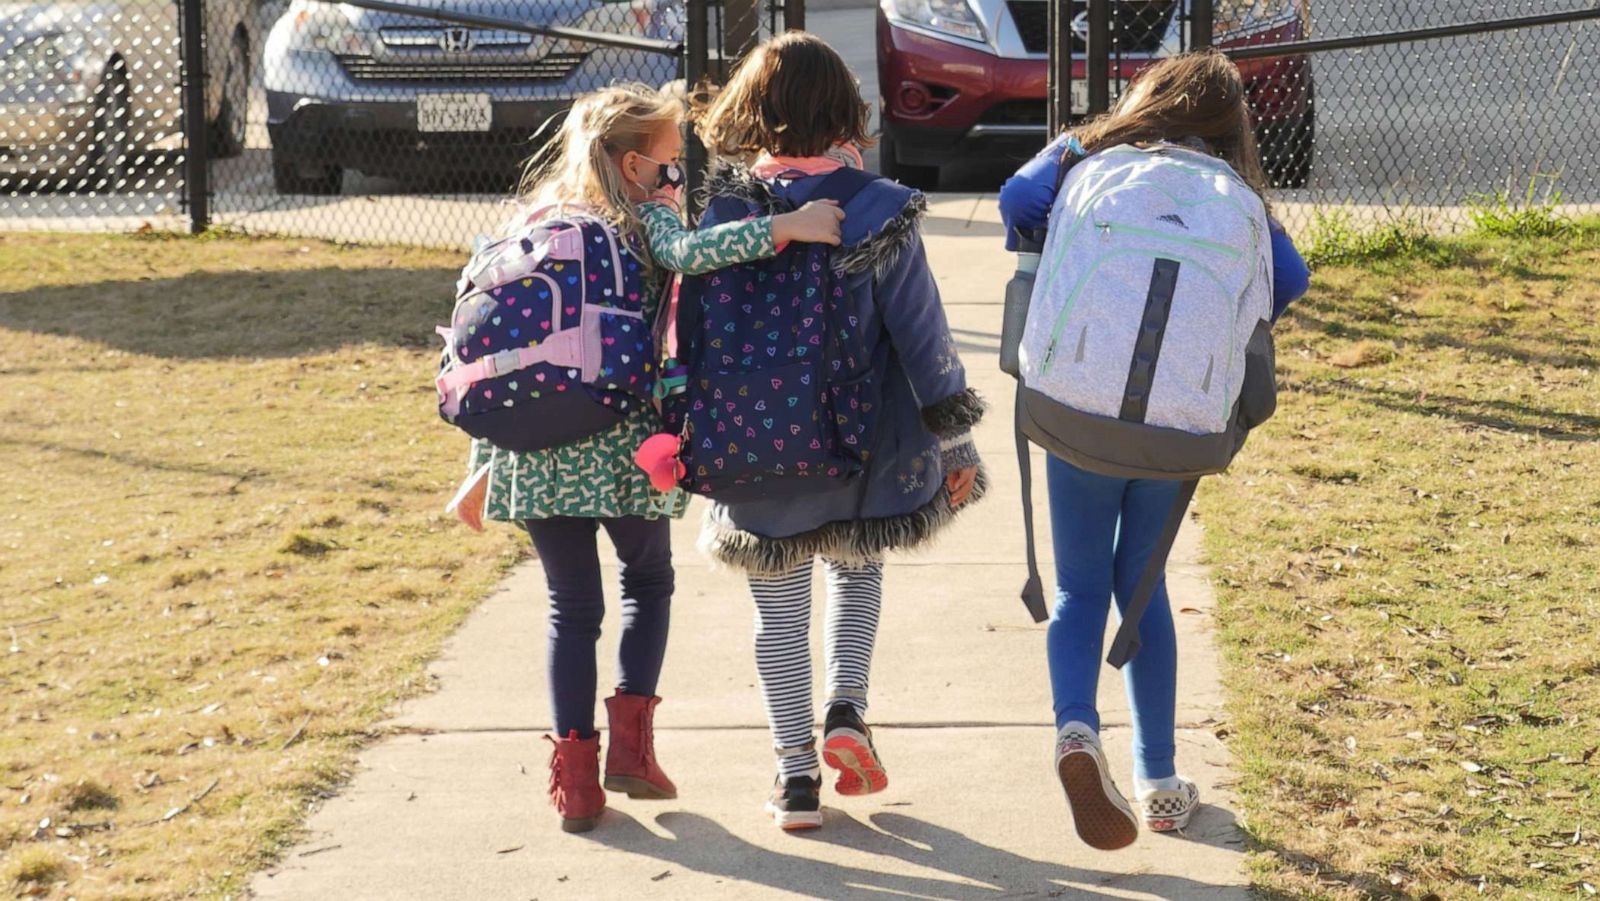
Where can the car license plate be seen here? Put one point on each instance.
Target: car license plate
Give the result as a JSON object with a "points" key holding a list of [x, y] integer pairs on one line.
{"points": [[453, 112], [1080, 95]]}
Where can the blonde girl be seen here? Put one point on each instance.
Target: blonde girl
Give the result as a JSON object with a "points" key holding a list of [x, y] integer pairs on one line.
{"points": [[615, 156]]}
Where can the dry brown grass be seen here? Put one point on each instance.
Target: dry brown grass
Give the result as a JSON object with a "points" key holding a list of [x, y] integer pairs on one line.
{"points": [[1409, 583], [222, 483]]}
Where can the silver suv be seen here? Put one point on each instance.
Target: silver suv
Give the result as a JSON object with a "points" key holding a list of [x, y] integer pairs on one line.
{"points": [[393, 95]]}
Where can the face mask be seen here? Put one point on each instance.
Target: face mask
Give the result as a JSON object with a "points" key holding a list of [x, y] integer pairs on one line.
{"points": [[669, 177]]}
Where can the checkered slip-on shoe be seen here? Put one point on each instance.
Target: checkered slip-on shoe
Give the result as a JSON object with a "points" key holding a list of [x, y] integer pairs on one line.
{"points": [[1099, 812], [1169, 810]]}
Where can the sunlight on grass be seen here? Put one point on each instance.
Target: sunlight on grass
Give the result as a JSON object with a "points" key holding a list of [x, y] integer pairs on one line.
{"points": [[1406, 558], [222, 530]]}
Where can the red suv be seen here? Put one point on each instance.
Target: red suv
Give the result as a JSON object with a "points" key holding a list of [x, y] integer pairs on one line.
{"points": [[966, 78]]}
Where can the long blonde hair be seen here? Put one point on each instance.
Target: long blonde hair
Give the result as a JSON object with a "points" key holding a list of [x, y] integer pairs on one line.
{"points": [[579, 165], [1192, 95]]}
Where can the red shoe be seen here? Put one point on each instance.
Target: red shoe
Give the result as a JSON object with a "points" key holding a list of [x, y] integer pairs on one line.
{"points": [[631, 758], [575, 781]]}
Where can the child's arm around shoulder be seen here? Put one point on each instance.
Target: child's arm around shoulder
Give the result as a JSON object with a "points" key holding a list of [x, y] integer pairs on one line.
{"points": [[695, 251]]}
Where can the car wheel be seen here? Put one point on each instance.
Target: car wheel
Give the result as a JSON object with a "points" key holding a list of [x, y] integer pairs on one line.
{"points": [[289, 177], [111, 133], [923, 178], [1288, 147], [228, 130]]}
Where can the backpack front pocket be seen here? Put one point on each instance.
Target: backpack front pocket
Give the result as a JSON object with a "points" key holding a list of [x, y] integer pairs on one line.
{"points": [[745, 426]]}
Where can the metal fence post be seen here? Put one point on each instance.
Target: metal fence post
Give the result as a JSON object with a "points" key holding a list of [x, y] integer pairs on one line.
{"points": [[1097, 56], [695, 27], [196, 136], [1202, 22], [1059, 75], [794, 15]]}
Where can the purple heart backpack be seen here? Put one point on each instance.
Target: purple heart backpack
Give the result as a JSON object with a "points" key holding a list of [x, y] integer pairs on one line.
{"points": [[548, 342], [780, 394]]}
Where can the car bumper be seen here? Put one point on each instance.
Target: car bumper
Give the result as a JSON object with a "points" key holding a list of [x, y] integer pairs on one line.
{"points": [[982, 105], [381, 138]]}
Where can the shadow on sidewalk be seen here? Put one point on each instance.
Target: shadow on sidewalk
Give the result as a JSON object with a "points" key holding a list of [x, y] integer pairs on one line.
{"points": [[975, 870]]}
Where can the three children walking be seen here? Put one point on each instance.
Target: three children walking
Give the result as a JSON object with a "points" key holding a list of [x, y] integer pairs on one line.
{"points": [[818, 399]]}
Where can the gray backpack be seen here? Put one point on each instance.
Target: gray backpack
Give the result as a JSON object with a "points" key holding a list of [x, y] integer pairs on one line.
{"points": [[1146, 348]]}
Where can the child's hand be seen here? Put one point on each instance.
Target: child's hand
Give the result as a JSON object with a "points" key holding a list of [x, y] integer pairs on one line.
{"points": [[816, 223], [960, 483]]}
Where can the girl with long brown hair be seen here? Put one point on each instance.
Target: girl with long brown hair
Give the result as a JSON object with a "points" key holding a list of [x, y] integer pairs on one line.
{"points": [[1105, 529]]}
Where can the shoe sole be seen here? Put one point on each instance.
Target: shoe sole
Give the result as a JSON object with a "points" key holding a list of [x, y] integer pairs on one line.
{"points": [[638, 789], [579, 824], [1103, 819], [795, 820], [860, 772]]}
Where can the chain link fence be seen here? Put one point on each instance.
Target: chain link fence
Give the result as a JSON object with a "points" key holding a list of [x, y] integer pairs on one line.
{"points": [[372, 121], [1417, 109], [92, 113]]}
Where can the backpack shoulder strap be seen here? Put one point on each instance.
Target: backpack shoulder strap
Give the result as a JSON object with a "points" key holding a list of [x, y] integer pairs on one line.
{"points": [[1126, 642], [1071, 155]]}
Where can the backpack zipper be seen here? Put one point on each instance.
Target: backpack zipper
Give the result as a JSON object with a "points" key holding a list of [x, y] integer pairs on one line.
{"points": [[1110, 227]]}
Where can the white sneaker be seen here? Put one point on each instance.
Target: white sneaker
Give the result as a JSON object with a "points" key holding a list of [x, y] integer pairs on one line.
{"points": [[1099, 812], [1169, 810]]}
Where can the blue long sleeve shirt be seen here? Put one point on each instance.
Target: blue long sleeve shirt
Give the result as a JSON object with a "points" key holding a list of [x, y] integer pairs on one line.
{"points": [[1027, 197]]}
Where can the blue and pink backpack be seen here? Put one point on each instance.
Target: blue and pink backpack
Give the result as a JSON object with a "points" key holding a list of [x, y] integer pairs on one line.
{"points": [[780, 392], [548, 342]]}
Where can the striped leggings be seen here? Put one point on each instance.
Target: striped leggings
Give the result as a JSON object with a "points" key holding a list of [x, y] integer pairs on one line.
{"points": [[783, 650]]}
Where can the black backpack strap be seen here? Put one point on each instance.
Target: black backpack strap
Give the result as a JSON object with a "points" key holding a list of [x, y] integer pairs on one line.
{"points": [[1033, 591], [1126, 643]]}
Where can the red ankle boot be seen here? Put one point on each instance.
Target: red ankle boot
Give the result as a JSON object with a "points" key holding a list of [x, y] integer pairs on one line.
{"points": [[631, 759], [575, 781]]}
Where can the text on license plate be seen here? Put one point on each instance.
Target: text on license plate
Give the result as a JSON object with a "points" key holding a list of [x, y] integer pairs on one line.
{"points": [[453, 112]]}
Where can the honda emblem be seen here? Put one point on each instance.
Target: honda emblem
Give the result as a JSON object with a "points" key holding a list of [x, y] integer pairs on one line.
{"points": [[455, 40]]}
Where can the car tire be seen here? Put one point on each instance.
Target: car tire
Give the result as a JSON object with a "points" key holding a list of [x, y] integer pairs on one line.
{"points": [[111, 133], [228, 129], [923, 178], [288, 177], [1288, 148]]}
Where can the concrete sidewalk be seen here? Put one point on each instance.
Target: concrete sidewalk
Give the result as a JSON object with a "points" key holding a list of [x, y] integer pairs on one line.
{"points": [[454, 807]]}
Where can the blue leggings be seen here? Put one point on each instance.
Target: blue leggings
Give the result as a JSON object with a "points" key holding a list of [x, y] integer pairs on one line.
{"points": [[1104, 530], [571, 560]]}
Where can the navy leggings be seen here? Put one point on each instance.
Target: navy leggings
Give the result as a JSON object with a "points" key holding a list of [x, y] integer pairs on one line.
{"points": [[569, 553]]}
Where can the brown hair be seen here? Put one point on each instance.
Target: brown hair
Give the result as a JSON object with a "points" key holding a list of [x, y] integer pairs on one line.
{"points": [[1192, 95], [579, 164], [792, 96]]}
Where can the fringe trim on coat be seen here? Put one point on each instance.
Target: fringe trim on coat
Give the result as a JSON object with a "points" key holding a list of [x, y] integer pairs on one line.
{"points": [[955, 415], [851, 542], [877, 253]]}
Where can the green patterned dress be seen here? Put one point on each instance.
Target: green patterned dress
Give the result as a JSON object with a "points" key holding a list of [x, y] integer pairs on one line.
{"points": [[595, 478]]}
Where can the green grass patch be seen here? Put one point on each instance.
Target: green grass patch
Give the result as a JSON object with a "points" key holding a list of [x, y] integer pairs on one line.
{"points": [[1335, 238], [1534, 214], [1407, 566], [222, 529]]}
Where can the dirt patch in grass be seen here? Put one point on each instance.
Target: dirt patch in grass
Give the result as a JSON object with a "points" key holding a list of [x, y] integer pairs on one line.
{"points": [[1408, 566], [222, 529]]}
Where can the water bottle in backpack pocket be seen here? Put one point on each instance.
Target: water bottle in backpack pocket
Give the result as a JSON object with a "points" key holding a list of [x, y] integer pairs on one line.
{"points": [[547, 343]]}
